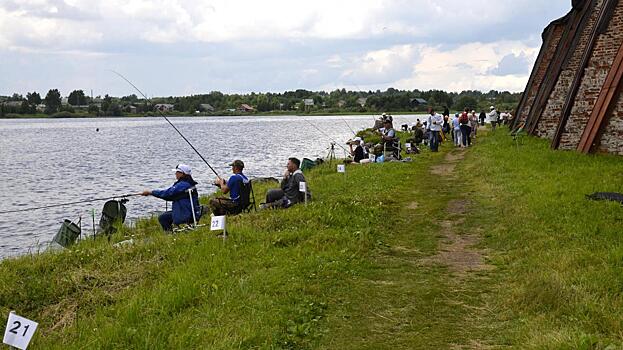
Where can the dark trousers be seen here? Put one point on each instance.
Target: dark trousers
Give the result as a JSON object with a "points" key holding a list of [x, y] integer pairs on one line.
{"points": [[223, 206], [466, 131], [166, 220], [434, 140]]}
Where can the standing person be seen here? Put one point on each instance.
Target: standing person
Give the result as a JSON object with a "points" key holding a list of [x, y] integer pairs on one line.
{"points": [[465, 128], [435, 122], [181, 211], [446, 111], [233, 186], [493, 118], [482, 117], [289, 193], [456, 128], [473, 123]]}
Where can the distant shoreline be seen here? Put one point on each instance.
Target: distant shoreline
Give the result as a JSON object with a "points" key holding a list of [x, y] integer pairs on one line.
{"points": [[149, 115]]}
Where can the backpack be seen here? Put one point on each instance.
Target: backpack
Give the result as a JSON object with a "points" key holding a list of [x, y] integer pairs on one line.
{"points": [[464, 118]]}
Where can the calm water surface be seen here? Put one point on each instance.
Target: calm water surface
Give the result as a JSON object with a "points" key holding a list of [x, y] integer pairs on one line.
{"points": [[48, 161]]}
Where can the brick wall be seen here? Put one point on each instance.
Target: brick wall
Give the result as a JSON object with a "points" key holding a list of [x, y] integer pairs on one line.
{"points": [[552, 113], [611, 140], [593, 79], [552, 40]]}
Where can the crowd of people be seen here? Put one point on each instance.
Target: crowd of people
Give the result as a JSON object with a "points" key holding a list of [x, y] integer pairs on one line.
{"points": [[462, 129]]}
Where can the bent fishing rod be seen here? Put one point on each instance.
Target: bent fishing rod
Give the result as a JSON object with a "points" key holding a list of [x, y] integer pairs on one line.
{"points": [[168, 121], [69, 203]]}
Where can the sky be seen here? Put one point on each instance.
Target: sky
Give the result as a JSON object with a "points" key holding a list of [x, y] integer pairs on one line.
{"points": [[184, 47]]}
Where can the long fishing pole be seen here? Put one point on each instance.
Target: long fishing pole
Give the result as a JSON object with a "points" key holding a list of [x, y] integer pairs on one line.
{"points": [[327, 135], [168, 121], [351, 129], [69, 203]]}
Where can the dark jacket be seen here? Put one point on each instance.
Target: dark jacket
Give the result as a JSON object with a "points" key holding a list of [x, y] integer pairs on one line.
{"points": [[177, 193], [290, 187]]}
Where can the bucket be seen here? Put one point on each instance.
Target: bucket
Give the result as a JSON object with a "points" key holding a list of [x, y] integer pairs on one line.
{"points": [[114, 212], [67, 234]]}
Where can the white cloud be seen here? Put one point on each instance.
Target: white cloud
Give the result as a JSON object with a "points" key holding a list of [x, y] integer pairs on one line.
{"points": [[244, 45]]}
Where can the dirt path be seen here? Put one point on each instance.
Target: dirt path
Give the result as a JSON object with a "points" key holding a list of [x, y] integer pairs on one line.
{"points": [[457, 250]]}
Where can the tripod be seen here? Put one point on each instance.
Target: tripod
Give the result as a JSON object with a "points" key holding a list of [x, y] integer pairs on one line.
{"points": [[331, 154]]}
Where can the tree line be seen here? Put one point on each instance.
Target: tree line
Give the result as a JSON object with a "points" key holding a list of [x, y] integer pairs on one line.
{"points": [[300, 101]]}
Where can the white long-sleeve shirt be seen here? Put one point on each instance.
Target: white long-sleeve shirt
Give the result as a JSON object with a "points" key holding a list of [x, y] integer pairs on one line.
{"points": [[435, 122]]}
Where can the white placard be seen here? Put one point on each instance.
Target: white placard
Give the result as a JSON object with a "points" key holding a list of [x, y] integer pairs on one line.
{"points": [[303, 187], [341, 168], [372, 157], [217, 223], [19, 331], [408, 145]]}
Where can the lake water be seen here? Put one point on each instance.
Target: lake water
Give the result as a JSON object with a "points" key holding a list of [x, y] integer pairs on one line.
{"points": [[49, 161]]}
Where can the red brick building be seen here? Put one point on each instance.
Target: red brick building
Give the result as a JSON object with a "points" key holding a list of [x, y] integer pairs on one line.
{"points": [[574, 95]]}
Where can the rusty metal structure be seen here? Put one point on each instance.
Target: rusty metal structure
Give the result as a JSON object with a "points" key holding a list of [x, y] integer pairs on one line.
{"points": [[574, 94]]}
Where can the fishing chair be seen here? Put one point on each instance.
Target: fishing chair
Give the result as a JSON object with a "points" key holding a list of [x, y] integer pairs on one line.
{"points": [[246, 201], [392, 149], [193, 225]]}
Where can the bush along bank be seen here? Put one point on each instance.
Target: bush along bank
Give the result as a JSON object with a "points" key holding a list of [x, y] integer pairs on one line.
{"points": [[494, 246]]}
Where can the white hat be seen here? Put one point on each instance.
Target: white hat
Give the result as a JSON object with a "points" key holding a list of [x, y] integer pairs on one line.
{"points": [[182, 168], [492, 107]]}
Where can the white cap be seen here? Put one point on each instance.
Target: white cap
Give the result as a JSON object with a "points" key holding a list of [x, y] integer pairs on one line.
{"points": [[492, 107], [182, 168]]}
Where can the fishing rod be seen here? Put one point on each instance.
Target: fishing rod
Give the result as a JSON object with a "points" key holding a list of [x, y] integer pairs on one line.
{"points": [[351, 129], [168, 121], [327, 135], [70, 203]]}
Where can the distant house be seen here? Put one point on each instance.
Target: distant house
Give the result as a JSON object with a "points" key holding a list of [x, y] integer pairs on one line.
{"points": [[13, 104], [245, 108], [206, 107], [341, 103], [130, 109], [40, 108], [164, 107], [362, 101], [308, 102], [64, 101], [417, 102]]}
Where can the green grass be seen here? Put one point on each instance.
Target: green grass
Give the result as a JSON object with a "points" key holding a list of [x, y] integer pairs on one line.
{"points": [[352, 269]]}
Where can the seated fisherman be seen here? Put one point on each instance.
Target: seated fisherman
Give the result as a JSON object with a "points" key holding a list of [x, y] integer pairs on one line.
{"points": [[181, 212], [358, 153], [289, 193], [233, 186]]}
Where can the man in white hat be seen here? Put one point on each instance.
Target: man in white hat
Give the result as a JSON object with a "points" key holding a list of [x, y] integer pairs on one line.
{"points": [[181, 211]]}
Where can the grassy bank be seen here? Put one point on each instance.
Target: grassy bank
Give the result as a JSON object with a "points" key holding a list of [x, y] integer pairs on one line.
{"points": [[494, 247]]}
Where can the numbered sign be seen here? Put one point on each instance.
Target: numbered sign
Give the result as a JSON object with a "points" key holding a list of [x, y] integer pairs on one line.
{"points": [[19, 331], [302, 187], [217, 223], [408, 145], [372, 157], [341, 168]]}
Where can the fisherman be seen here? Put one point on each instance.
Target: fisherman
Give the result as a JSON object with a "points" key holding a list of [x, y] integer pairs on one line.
{"points": [[289, 193], [181, 212], [223, 206], [389, 139], [358, 153]]}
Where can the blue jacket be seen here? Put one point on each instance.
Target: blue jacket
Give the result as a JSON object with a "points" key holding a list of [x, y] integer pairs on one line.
{"points": [[182, 213]]}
